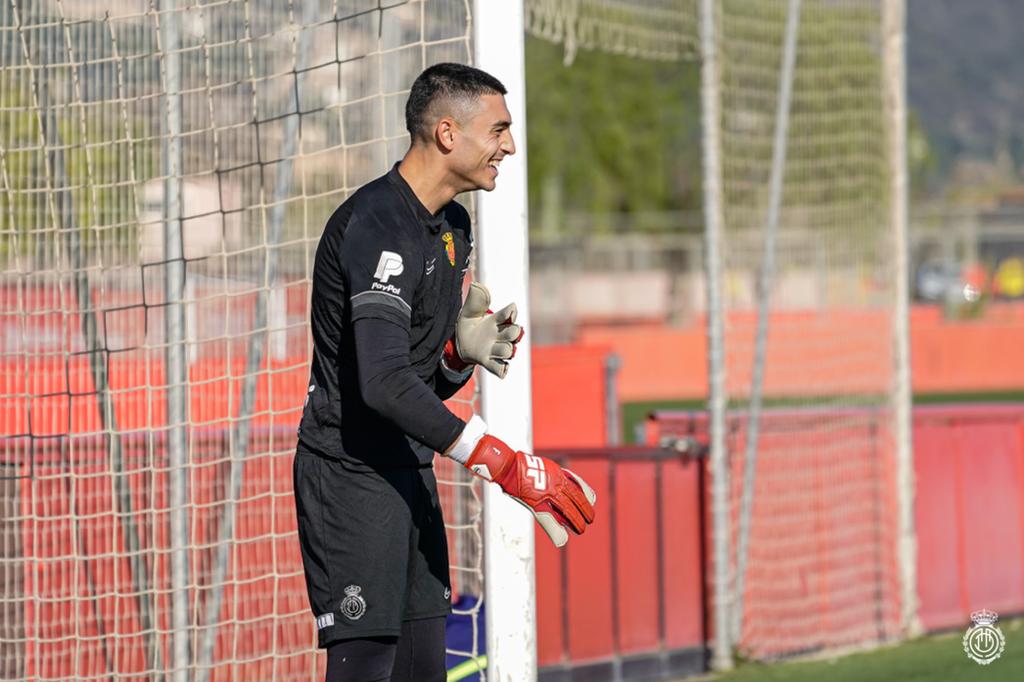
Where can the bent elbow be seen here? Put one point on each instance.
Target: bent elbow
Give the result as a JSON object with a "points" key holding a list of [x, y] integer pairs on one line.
{"points": [[377, 397]]}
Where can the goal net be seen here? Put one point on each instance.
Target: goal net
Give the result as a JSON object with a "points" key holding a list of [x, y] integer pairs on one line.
{"points": [[816, 540], [808, 302], [166, 168]]}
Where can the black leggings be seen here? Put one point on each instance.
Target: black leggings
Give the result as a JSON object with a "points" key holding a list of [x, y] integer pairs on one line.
{"points": [[415, 656]]}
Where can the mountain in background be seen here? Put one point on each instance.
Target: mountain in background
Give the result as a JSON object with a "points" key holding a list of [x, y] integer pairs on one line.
{"points": [[965, 79]]}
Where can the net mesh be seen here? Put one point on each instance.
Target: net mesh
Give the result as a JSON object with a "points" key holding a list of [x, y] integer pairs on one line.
{"points": [[821, 565], [653, 29], [260, 117]]}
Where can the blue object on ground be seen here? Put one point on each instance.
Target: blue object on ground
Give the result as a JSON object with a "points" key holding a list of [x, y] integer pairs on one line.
{"points": [[460, 636]]}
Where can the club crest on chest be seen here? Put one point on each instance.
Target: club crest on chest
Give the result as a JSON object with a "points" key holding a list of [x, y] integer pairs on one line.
{"points": [[449, 247]]}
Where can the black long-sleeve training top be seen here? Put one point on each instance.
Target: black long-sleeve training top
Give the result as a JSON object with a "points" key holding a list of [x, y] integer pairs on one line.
{"points": [[387, 289]]}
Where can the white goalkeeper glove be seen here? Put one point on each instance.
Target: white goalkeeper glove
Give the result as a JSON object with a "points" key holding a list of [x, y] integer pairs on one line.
{"points": [[482, 337]]}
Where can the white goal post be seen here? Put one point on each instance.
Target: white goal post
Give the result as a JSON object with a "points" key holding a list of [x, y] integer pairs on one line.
{"points": [[502, 263]]}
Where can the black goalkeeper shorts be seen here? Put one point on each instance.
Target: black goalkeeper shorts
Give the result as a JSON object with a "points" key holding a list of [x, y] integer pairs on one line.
{"points": [[373, 547]]}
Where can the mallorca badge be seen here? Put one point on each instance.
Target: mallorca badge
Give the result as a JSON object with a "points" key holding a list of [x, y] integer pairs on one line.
{"points": [[353, 606], [984, 642]]}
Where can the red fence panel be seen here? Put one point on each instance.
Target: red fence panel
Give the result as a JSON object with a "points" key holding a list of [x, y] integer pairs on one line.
{"points": [[822, 571], [569, 397], [552, 644], [590, 594], [969, 462], [636, 553], [969, 512], [631, 588], [73, 544], [938, 558], [661, 362], [684, 552]]}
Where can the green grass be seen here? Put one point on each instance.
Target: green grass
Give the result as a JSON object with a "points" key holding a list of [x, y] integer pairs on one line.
{"points": [[989, 397], [931, 659], [634, 413]]}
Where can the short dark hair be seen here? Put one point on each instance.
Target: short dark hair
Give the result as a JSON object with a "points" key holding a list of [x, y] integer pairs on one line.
{"points": [[445, 84]]}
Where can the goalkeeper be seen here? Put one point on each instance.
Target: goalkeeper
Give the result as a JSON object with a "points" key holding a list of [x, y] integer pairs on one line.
{"points": [[392, 339]]}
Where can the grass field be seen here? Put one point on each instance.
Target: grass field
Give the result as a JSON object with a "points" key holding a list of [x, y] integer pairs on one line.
{"points": [[634, 413], [937, 658]]}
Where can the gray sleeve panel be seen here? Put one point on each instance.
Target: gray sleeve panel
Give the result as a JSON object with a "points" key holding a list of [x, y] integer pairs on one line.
{"points": [[381, 306], [381, 298]]}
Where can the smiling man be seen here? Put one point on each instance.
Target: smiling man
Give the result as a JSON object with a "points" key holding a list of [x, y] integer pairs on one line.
{"points": [[392, 340]]}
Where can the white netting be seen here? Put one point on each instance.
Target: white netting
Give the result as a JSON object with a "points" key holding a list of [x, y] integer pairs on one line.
{"points": [[279, 112], [821, 566], [652, 29]]}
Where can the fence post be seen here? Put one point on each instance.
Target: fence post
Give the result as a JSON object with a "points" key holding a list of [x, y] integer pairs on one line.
{"points": [[613, 415]]}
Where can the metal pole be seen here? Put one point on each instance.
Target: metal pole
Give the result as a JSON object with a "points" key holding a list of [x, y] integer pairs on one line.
{"points": [[503, 260], [713, 219], [254, 356], [894, 80], [764, 288], [175, 354], [64, 215], [613, 418]]}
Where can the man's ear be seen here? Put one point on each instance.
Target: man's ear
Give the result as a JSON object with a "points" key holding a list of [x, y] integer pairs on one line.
{"points": [[444, 133]]}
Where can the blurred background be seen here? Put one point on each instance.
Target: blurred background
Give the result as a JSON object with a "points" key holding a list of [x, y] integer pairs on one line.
{"points": [[615, 181], [776, 284], [819, 506]]}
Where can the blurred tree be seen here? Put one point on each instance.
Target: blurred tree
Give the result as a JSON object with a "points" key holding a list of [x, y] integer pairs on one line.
{"points": [[610, 134], [922, 158], [836, 145], [97, 158]]}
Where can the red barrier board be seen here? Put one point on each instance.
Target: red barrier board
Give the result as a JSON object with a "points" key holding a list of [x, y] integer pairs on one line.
{"points": [[590, 597], [822, 565], [969, 463], [552, 644], [633, 584], [843, 351], [820, 493], [636, 555], [683, 599], [823, 494], [569, 396]]}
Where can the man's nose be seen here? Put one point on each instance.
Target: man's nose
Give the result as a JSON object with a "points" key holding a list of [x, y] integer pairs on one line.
{"points": [[508, 145]]}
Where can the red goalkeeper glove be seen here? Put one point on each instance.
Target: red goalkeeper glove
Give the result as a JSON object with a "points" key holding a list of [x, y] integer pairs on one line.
{"points": [[559, 499]]}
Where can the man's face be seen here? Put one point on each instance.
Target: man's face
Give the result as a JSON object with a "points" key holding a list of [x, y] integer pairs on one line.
{"points": [[482, 140]]}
